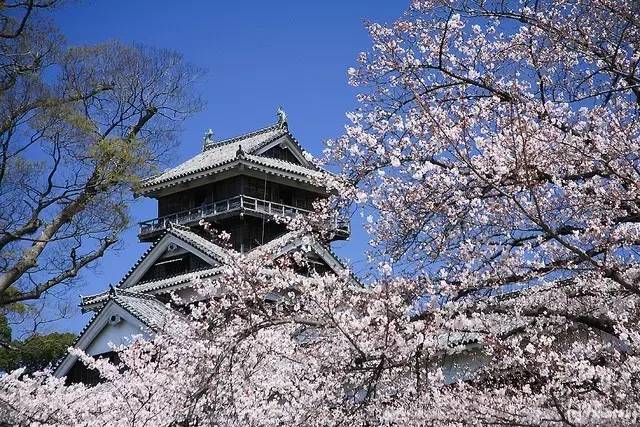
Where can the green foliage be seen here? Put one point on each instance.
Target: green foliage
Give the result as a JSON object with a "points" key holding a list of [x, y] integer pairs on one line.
{"points": [[36, 352], [5, 330], [15, 308], [121, 160]]}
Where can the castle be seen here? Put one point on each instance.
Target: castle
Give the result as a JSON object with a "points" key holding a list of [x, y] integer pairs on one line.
{"points": [[239, 185]]}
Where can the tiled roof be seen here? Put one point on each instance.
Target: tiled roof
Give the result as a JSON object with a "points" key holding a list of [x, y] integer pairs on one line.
{"points": [[183, 233], [139, 261], [171, 282], [199, 242], [155, 285], [456, 341], [249, 141], [219, 153], [188, 236], [147, 308], [274, 249], [284, 165], [275, 246], [278, 246], [93, 299]]}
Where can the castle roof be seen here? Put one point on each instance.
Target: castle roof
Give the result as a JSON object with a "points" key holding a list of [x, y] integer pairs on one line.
{"points": [[173, 283], [140, 311], [247, 148], [147, 308], [185, 234], [273, 249]]}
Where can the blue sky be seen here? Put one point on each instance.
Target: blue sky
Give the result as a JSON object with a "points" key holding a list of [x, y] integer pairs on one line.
{"points": [[258, 55]]}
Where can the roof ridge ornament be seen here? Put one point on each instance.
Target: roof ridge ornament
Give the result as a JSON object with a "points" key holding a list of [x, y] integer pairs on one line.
{"points": [[240, 152], [208, 137], [282, 118]]}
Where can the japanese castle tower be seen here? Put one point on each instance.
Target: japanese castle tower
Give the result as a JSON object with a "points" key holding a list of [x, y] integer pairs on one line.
{"points": [[238, 185]]}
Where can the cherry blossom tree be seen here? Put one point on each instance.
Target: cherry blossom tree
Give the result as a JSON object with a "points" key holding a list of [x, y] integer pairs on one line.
{"points": [[495, 157], [497, 152]]}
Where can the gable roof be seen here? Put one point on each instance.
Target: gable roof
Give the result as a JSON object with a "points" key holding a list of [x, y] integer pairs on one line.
{"points": [[210, 252], [185, 234], [145, 307], [167, 284], [283, 165], [246, 148], [176, 282], [201, 247], [298, 239], [274, 249], [143, 310]]}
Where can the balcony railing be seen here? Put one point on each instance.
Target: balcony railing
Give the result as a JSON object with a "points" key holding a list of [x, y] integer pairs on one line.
{"points": [[238, 203]]}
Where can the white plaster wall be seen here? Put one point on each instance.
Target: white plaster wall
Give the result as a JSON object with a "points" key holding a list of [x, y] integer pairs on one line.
{"points": [[117, 334]]}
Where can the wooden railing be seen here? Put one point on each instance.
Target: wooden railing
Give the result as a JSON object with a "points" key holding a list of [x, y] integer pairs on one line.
{"points": [[237, 203]]}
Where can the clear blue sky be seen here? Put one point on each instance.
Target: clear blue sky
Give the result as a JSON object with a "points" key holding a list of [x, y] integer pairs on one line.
{"points": [[258, 55]]}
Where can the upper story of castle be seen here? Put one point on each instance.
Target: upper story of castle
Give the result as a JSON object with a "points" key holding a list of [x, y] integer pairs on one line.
{"points": [[239, 185]]}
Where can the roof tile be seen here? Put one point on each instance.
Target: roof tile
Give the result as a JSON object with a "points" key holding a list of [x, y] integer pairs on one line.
{"points": [[217, 154]]}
